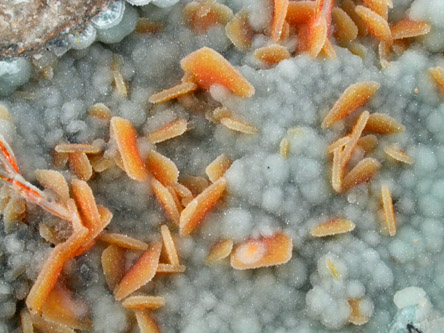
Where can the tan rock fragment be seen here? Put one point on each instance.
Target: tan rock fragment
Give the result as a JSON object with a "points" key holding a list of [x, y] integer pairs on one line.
{"points": [[146, 26]]}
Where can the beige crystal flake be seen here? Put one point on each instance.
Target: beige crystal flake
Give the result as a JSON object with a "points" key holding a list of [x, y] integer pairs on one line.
{"points": [[173, 92], [382, 123], [262, 252], [398, 155], [355, 96], [217, 168], [333, 227], [170, 269], [389, 213], [124, 241], [238, 126], [169, 246], [284, 148], [361, 173], [141, 302], [219, 251], [172, 130]]}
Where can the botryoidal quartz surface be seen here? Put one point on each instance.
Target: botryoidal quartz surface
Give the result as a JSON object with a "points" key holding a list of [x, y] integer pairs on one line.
{"points": [[265, 192]]}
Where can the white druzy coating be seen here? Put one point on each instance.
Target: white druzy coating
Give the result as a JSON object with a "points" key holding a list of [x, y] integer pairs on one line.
{"points": [[425, 160], [268, 190], [428, 10], [409, 296], [355, 289], [333, 312], [272, 199], [7, 129], [366, 307], [12, 244], [275, 169], [433, 231], [236, 223], [108, 314]]}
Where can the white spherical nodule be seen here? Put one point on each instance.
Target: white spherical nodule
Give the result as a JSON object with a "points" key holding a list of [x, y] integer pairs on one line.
{"points": [[118, 32], [83, 39], [13, 73], [110, 17]]}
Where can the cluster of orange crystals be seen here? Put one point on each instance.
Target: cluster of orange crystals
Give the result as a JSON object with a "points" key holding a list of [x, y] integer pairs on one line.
{"points": [[318, 25], [49, 296], [50, 303], [355, 96], [344, 178]]}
